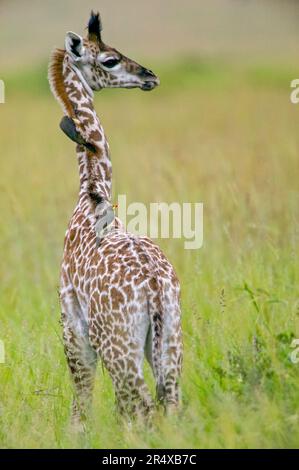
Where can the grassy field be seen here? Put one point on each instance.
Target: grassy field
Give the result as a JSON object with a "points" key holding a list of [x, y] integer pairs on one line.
{"points": [[224, 136]]}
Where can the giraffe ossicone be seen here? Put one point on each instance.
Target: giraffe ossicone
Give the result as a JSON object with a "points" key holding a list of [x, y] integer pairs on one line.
{"points": [[120, 298]]}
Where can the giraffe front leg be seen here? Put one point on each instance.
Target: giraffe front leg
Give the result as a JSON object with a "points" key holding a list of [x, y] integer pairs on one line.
{"points": [[81, 357]]}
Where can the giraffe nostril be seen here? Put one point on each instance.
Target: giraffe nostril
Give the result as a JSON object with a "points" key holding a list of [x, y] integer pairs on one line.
{"points": [[151, 74], [145, 73]]}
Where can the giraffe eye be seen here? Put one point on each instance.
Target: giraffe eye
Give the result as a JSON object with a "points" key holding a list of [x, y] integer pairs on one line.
{"points": [[110, 63]]}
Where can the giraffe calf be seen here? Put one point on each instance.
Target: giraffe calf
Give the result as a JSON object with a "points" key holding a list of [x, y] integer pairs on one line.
{"points": [[119, 295]]}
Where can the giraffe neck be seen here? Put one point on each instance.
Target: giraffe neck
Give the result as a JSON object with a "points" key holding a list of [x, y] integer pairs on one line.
{"points": [[76, 98]]}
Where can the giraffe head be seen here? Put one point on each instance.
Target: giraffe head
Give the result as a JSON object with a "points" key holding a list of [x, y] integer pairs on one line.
{"points": [[103, 66]]}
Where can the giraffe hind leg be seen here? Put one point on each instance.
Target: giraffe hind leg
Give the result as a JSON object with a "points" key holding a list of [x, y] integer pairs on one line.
{"points": [[81, 358], [133, 398], [125, 364]]}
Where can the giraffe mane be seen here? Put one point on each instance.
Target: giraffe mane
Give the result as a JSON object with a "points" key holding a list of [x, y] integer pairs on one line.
{"points": [[55, 76]]}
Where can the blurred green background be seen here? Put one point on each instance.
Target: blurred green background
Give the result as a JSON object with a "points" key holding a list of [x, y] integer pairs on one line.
{"points": [[219, 130]]}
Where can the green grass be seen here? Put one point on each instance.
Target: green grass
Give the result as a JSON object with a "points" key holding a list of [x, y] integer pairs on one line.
{"points": [[211, 134]]}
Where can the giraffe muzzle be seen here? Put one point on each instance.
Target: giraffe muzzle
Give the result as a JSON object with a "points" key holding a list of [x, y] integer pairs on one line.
{"points": [[150, 84], [149, 79]]}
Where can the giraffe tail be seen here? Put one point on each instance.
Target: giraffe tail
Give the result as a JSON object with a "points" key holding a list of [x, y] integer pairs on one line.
{"points": [[156, 320]]}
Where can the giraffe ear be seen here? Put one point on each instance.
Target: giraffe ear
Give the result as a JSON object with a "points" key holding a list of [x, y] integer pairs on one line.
{"points": [[74, 45]]}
